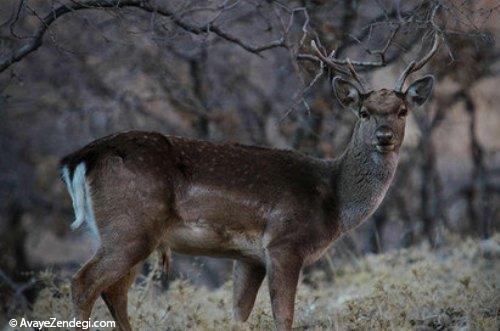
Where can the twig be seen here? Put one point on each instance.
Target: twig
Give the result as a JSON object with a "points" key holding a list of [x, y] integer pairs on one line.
{"points": [[37, 39], [17, 288]]}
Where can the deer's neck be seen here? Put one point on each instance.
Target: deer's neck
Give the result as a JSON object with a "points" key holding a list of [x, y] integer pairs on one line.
{"points": [[361, 178]]}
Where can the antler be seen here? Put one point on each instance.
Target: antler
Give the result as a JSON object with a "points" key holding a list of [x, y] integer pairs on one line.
{"points": [[339, 67], [415, 66], [328, 59]]}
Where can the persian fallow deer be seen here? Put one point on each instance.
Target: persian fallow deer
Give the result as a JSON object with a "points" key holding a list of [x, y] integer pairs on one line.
{"points": [[272, 211]]}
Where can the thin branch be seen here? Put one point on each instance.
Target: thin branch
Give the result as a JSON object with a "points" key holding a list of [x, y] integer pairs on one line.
{"points": [[383, 51], [17, 289], [16, 18], [338, 64], [396, 17], [37, 39]]}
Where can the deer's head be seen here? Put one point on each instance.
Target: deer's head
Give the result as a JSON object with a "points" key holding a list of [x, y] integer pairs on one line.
{"points": [[382, 114]]}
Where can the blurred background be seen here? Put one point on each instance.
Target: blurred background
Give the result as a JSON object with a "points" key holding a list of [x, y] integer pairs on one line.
{"points": [[241, 71]]}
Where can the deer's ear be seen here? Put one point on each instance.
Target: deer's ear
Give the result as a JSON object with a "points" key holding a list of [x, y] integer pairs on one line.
{"points": [[346, 93], [419, 91]]}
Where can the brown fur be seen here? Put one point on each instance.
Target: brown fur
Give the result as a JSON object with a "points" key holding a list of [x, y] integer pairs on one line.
{"points": [[271, 210]]}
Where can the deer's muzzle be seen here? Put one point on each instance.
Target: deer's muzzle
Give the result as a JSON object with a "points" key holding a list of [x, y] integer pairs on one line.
{"points": [[385, 141]]}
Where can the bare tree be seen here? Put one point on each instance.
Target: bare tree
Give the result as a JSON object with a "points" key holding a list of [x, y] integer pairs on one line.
{"points": [[256, 72]]}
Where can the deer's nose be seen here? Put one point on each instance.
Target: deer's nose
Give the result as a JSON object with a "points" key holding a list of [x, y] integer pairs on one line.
{"points": [[384, 135]]}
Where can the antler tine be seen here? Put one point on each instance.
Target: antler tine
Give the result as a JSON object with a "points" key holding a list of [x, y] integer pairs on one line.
{"points": [[350, 71], [355, 75], [327, 61], [415, 66]]}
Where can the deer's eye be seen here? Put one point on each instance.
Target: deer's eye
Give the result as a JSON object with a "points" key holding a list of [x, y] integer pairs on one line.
{"points": [[403, 112], [364, 114]]}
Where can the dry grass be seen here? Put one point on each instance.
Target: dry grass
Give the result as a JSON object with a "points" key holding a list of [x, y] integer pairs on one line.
{"points": [[455, 287]]}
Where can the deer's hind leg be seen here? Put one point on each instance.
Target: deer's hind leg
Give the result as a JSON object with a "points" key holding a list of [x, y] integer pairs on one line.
{"points": [[130, 199], [108, 272], [116, 298], [131, 212]]}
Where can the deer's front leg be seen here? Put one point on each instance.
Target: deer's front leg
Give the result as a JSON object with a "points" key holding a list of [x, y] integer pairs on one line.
{"points": [[283, 269], [247, 279]]}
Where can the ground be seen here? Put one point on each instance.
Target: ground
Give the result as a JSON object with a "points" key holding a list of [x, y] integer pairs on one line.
{"points": [[455, 287]]}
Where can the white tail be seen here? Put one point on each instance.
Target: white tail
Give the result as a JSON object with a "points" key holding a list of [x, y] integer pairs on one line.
{"points": [[79, 190]]}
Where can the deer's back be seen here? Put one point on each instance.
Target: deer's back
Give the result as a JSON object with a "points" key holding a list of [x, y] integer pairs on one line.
{"points": [[242, 169]]}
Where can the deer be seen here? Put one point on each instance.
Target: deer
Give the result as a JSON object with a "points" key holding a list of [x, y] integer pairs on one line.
{"points": [[272, 211]]}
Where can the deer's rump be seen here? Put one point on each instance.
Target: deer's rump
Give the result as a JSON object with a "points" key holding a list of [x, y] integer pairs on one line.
{"points": [[122, 179]]}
